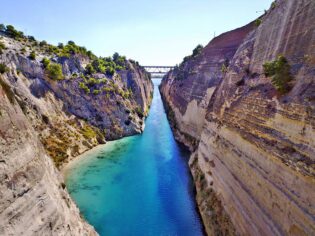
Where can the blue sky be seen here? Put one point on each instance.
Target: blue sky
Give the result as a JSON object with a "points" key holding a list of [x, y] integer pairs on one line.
{"points": [[151, 32]]}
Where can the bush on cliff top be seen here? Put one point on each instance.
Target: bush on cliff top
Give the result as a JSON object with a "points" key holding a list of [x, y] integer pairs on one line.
{"points": [[106, 65], [279, 71], [197, 50], [12, 32], [181, 73], [195, 53]]}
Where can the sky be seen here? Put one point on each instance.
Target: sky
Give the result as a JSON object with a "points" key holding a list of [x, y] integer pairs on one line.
{"points": [[159, 32]]}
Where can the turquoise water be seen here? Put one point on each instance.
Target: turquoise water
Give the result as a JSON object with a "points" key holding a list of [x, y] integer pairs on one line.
{"points": [[138, 185]]}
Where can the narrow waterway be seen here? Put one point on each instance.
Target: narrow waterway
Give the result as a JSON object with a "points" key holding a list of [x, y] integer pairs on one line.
{"points": [[139, 185]]}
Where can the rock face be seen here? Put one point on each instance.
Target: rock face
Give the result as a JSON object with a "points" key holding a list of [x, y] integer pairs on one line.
{"points": [[254, 156], [45, 123], [188, 88], [33, 199], [82, 110]]}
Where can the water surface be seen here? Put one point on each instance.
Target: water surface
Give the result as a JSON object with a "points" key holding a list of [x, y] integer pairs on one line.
{"points": [[138, 185]]}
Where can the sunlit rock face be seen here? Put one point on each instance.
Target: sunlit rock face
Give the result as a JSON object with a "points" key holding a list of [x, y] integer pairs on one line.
{"points": [[34, 200], [68, 119], [254, 163], [189, 88]]}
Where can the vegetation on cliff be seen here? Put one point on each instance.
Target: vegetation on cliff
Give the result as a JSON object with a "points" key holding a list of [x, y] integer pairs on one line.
{"points": [[54, 71], [3, 68], [87, 95], [181, 73], [105, 65], [279, 71]]}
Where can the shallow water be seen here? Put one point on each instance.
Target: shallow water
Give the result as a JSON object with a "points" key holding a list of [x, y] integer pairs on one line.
{"points": [[138, 185]]}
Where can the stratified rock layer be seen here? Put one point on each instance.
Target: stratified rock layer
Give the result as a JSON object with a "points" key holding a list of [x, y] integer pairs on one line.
{"points": [[34, 200], [189, 95], [254, 162]]}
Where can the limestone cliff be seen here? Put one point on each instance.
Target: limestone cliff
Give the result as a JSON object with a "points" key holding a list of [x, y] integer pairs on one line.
{"points": [[189, 87], [84, 107], [56, 103], [34, 200], [254, 150]]}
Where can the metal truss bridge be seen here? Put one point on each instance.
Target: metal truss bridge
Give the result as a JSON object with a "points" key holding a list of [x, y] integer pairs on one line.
{"points": [[158, 71]]}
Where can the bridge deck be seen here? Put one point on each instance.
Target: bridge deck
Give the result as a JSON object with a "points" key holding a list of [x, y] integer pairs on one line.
{"points": [[158, 71]]}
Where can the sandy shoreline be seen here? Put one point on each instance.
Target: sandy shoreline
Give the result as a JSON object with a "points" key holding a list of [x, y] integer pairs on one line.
{"points": [[81, 157]]}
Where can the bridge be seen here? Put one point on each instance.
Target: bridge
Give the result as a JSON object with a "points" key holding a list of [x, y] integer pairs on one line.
{"points": [[158, 71]]}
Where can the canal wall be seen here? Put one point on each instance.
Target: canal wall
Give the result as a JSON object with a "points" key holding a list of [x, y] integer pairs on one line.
{"points": [[252, 140]]}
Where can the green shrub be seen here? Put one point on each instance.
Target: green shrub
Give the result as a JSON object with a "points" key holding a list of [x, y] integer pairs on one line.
{"points": [[224, 68], [279, 71], [3, 68], [197, 50], [13, 33], [60, 45], [110, 71], [23, 51], [90, 55], [273, 5], [52, 49], [32, 55], [108, 89], [92, 81], [74, 76], [43, 43], [31, 38], [195, 53], [225, 65], [96, 91], [54, 71], [45, 62], [104, 81], [139, 112], [90, 69], [98, 65], [84, 87], [2, 47], [87, 90], [258, 22]]}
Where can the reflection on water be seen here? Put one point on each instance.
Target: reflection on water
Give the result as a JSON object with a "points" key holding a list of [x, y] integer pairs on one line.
{"points": [[138, 185]]}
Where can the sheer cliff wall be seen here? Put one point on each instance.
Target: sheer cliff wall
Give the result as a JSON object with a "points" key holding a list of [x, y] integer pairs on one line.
{"points": [[253, 161]]}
